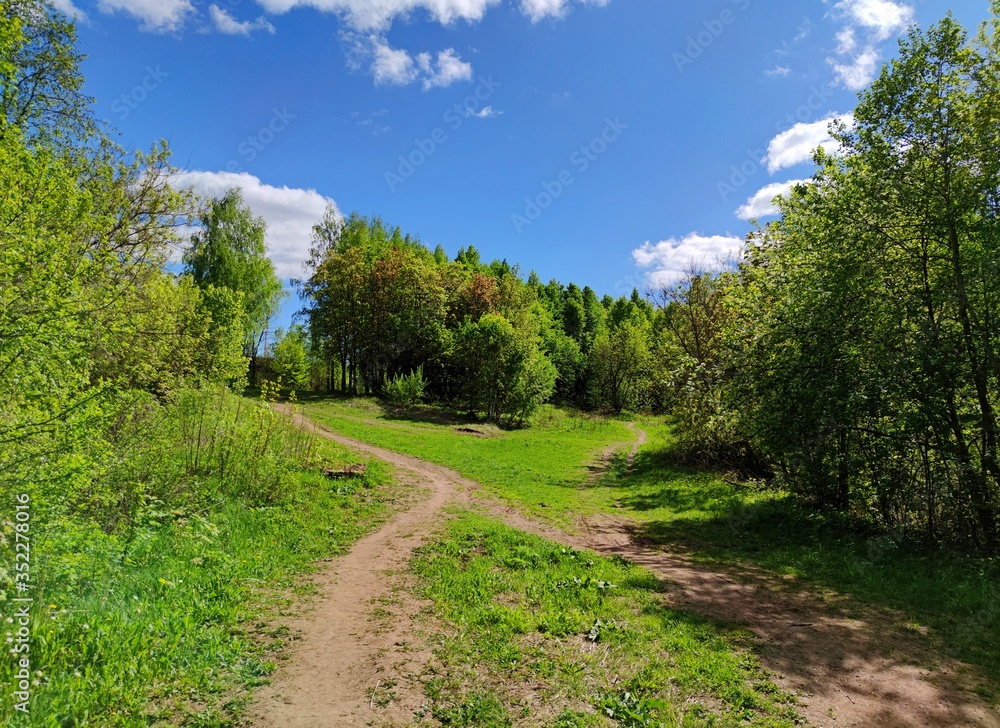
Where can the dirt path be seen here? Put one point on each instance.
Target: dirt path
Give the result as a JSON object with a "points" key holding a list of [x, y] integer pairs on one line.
{"points": [[344, 656], [848, 672]]}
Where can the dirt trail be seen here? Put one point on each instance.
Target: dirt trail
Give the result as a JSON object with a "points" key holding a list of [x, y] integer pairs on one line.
{"points": [[343, 656], [847, 672]]}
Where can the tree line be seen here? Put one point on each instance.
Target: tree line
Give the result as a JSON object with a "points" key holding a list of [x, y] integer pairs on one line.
{"points": [[481, 337]]}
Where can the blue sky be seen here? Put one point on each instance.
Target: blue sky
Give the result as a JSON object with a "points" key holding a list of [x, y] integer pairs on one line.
{"points": [[604, 142]]}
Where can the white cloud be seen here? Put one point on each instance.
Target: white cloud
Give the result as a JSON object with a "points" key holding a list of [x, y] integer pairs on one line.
{"points": [[487, 112], [796, 145], [860, 71], [228, 25], [878, 20], [69, 9], [538, 10], [379, 14], [762, 203], [396, 67], [159, 16], [846, 42], [448, 69], [779, 70], [290, 212], [670, 259], [883, 18], [391, 65]]}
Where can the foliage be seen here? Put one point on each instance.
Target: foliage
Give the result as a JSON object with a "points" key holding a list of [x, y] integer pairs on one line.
{"points": [[504, 375], [865, 318], [408, 390], [619, 365], [40, 80], [289, 358], [230, 252]]}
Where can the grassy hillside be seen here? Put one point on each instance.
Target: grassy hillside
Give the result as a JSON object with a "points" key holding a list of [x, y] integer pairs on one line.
{"points": [[172, 616], [540, 467]]}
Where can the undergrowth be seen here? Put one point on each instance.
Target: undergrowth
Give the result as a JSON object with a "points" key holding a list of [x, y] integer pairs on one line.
{"points": [[156, 584]]}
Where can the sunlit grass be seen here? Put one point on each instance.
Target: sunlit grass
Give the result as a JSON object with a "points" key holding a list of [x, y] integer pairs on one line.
{"points": [[540, 467], [545, 636], [173, 620]]}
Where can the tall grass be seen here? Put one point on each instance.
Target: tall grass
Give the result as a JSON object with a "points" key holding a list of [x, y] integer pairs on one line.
{"points": [[156, 582]]}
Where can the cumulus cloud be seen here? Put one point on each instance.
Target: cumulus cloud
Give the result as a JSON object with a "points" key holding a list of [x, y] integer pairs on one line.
{"points": [[857, 73], [857, 60], [69, 9], [378, 15], [449, 68], [668, 260], [779, 70], [796, 145], [225, 23], [538, 10], [392, 65], [762, 203], [396, 67], [157, 16], [289, 212], [882, 18]]}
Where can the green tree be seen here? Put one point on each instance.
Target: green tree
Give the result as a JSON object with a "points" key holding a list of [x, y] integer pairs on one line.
{"points": [[230, 252], [619, 366], [40, 79], [289, 357], [864, 326], [505, 376]]}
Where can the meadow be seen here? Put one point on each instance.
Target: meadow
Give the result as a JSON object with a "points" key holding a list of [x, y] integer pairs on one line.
{"points": [[548, 469]]}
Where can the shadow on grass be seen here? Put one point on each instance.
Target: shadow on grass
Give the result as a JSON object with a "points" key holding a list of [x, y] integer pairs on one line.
{"points": [[699, 513]]}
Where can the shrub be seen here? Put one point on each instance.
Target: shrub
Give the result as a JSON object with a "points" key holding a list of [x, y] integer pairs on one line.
{"points": [[408, 390]]}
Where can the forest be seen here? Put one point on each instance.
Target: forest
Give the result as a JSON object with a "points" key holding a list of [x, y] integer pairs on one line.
{"points": [[850, 356]]}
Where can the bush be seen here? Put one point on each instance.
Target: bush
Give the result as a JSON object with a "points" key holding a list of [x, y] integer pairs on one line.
{"points": [[406, 391]]}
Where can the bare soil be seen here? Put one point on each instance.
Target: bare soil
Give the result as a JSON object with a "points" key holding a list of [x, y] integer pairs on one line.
{"points": [[356, 663]]}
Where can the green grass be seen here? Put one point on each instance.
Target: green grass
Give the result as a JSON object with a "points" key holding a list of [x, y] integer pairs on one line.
{"points": [[540, 467], [174, 621], [956, 595], [541, 635]]}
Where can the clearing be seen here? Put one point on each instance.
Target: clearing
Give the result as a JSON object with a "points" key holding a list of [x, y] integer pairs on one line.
{"points": [[847, 663]]}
